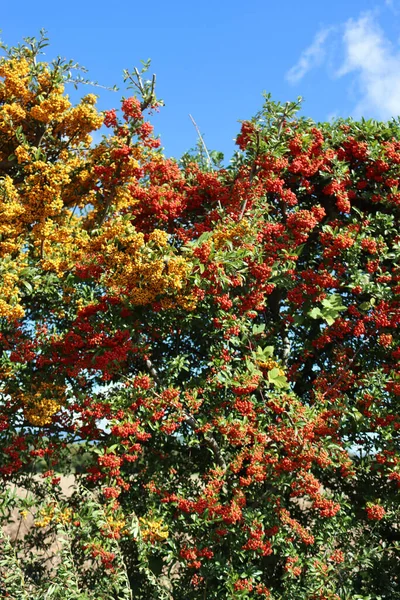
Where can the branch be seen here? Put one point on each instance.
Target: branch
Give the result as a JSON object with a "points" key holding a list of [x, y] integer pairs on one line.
{"points": [[286, 343], [147, 96], [108, 202], [194, 424], [151, 369], [253, 173], [209, 440], [202, 141], [283, 119]]}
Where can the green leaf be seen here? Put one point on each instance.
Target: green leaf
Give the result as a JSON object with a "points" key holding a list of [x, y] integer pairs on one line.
{"points": [[333, 301], [276, 378], [365, 306], [329, 319], [258, 328], [27, 285], [315, 313]]}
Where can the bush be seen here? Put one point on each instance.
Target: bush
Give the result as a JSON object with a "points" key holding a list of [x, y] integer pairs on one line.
{"points": [[219, 346]]}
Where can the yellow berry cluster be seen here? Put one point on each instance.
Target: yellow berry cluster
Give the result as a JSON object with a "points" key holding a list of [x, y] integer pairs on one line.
{"points": [[270, 364], [42, 402], [153, 530], [234, 234], [49, 514]]}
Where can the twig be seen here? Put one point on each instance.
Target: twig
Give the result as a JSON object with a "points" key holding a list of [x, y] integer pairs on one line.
{"points": [[202, 141], [282, 119], [147, 97]]}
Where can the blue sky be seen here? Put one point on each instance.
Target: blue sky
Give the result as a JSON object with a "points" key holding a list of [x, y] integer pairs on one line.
{"points": [[214, 59]]}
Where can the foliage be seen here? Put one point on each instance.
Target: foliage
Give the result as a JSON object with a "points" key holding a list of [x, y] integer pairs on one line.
{"points": [[219, 345]]}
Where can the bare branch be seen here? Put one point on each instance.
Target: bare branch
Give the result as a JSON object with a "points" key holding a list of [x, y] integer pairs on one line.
{"points": [[286, 344], [151, 369], [209, 440], [202, 141]]}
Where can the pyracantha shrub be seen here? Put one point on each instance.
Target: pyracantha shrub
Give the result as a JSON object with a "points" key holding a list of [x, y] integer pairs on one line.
{"points": [[212, 351]]}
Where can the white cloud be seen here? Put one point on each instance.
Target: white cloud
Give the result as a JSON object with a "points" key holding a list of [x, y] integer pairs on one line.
{"points": [[376, 64], [369, 56], [311, 57]]}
